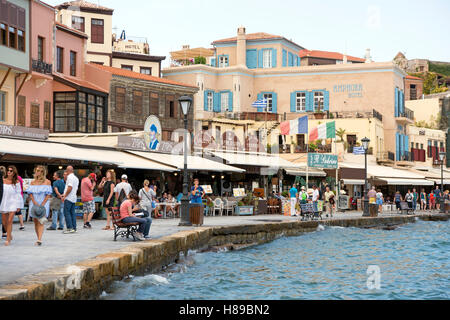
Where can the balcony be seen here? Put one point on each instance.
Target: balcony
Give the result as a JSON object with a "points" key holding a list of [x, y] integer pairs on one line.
{"points": [[406, 117], [41, 67], [258, 116], [385, 157]]}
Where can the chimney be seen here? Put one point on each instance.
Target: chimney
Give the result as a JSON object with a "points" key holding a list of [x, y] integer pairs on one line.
{"points": [[368, 57], [241, 47]]}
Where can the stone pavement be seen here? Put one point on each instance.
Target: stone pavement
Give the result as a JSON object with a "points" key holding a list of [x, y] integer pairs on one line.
{"points": [[23, 258]]}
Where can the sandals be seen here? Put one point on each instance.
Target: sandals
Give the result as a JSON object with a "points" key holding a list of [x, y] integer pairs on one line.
{"points": [[38, 243], [107, 228]]}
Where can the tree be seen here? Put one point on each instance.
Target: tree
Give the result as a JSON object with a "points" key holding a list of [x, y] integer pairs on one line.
{"points": [[341, 133], [200, 60]]}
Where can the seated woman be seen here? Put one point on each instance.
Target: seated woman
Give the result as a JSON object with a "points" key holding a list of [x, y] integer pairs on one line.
{"points": [[127, 216], [172, 206]]}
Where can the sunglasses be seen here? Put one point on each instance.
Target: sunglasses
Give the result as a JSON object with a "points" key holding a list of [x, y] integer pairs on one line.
{"points": [[10, 170]]}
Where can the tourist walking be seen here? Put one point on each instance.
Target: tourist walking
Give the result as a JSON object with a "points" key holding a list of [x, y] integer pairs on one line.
{"points": [[122, 190], [409, 198], [56, 204], [372, 195], [437, 197], [10, 201], [145, 194], [2, 175], [108, 186], [397, 200], [19, 214], [40, 192], [293, 193], [70, 199], [127, 216], [303, 196], [87, 197], [415, 198], [379, 200], [431, 201], [329, 201], [315, 197], [423, 200], [197, 193]]}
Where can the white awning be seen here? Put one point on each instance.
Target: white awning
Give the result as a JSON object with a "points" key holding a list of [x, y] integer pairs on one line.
{"points": [[312, 172], [194, 163], [355, 182], [258, 160], [438, 181], [406, 182]]}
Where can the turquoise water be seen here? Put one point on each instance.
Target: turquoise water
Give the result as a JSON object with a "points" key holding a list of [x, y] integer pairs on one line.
{"points": [[327, 264]]}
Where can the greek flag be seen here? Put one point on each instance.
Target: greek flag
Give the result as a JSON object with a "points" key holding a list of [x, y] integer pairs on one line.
{"points": [[358, 150], [260, 104]]}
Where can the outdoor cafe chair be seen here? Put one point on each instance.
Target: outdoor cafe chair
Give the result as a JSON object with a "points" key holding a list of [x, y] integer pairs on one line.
{"points": [[228, 206], [218, 205]]}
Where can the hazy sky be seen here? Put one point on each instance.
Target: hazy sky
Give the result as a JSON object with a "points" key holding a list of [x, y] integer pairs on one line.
{"points": [[417, 28]]}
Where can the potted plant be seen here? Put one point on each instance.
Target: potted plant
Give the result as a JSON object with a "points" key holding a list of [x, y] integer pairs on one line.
{"points": [[245, 206]]}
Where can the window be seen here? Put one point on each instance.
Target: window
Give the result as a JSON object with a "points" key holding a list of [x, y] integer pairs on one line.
{"points": [[73, 63], [97, 31], [413, 92], [268, 97], [21, 113], [210, 99], [127, 67], [154, 103], [47, 108], [59, 59], [34, 116], [2, 105], [318, 101], [137, 102], [146, 70], [120, 99], [40, 49], [223, 61], [96, 62], [421, 146], [224, 101], [12, 38], [412, 145], [301, 102], [21, 40], [171, 109], [218, 132], [267, 58], [3, 34], [78, 23]]}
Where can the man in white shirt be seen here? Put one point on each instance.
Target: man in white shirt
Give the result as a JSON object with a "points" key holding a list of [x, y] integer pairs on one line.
{"points": [[69, 199], [315, 196], [125, 186]]}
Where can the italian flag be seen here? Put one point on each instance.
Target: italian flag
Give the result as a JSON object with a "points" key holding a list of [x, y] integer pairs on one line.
{"points": [[324, 131]]}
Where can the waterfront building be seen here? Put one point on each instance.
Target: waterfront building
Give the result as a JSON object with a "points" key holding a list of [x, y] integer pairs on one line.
{"points": [[318, 58], [413, 88], [15, 52]]}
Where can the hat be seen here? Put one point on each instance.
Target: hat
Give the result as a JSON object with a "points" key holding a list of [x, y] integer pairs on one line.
{"points": [[94, 176], [39, 212], [303, 188], [124, 177]]}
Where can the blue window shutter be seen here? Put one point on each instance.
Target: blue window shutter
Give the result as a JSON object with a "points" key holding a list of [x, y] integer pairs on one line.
{"points": [[326, 100], [274, 58], [295, 60], [260, 97], [260, 58], [396, 103], [228, 60], [402, 102], [284, 58], [298, 61], [206, 101], [397, 145], [290, 60], [294, 101], [309, 102], [407, 148], [216, 101], [230, 101], [251, 59], [213, 62], [274, 103]]}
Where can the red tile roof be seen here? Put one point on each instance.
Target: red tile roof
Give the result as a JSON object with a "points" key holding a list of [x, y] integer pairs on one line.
{"points": [[413, 78], [71, 30], [80, 82], [251, 36], [136, 75], [328, 55], [84, 4]]}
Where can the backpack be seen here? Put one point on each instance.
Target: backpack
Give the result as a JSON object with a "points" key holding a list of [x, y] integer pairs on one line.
{"points": [[304, 195]]}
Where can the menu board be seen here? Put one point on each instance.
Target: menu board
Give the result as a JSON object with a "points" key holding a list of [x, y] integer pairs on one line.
{"points": [[207, 188], [239, 192]]}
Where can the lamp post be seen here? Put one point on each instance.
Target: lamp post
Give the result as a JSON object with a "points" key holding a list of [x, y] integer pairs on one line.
{"points": [[185, 103], [365, 144], [442, 200]]}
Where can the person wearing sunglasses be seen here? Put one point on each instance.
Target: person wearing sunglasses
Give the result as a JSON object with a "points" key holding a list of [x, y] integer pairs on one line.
{"points": [[10, 201]]}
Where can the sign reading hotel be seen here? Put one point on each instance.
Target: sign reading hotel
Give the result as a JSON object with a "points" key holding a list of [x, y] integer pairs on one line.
{"points": [[22, 132], [353, 90], [322, 161]]}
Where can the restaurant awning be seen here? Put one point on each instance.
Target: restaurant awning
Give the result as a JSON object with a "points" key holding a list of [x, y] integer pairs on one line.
{"points": [[438, 181], [406, 182], [355, 182], [194, 163], [259, 160], [312, 172]]}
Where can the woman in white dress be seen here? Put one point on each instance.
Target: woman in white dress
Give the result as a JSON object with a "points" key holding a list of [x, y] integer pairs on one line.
{"points": [[40, 192], [10, 201]]}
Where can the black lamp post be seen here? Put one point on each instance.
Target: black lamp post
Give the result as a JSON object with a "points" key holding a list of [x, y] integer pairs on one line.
{"points": [[185, 103], [442, 200], [365, 144]]}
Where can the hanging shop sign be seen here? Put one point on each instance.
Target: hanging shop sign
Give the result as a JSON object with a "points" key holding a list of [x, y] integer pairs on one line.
{"points": [[22, 132], [322, 161], [152, 133]]}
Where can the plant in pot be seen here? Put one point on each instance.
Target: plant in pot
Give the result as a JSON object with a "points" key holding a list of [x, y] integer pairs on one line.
{"points": [[245, 206]]}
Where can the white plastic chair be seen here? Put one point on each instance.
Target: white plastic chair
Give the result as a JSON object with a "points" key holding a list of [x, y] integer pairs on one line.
{"points": [[218, 205], [228, 206]]}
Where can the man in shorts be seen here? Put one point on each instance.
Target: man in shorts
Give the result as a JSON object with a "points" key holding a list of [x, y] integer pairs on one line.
{"points": [[329, 201], [87, 197]]}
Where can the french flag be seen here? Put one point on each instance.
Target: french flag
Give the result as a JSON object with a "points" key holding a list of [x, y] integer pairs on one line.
{"points": [[293, 127]]}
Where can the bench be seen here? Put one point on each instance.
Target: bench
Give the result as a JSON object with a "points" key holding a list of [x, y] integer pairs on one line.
{"points": [[125, 230], [405, 207], [310, 211]]}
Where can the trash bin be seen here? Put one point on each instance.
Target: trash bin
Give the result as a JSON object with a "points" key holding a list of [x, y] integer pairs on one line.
{"points": [[373, 210], [196, 214]]}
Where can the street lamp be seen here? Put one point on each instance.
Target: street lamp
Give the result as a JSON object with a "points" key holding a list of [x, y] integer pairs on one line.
{"points": [[442, 200], [185, 104], [365, 144]]}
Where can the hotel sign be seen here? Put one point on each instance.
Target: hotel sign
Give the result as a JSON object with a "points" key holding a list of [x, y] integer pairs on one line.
{"points": [[322, 161], [22, 132], [353, 90]]}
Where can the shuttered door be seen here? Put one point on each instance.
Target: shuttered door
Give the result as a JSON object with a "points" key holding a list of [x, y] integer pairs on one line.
{"points": [[137, 102], [13, 12], [21, 111], [97, 31], [3, 11], [21, 19], [34, 116], [47, 107], [120, 99]]}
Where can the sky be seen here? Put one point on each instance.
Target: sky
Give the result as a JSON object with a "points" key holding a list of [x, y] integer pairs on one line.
{"points": [[417, 28]]}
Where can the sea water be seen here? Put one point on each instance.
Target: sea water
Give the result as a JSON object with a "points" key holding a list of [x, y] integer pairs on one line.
{"points": [[410, 262]]}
